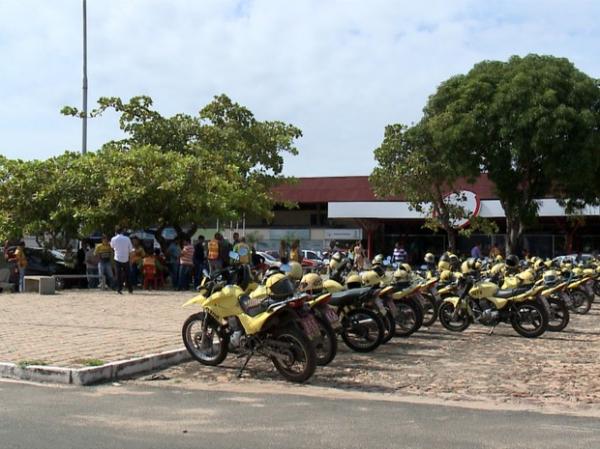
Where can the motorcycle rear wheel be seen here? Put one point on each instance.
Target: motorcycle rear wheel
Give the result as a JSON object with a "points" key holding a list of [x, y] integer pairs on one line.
{"points": [[300, 357], [559, 315], [208, 346], [530, 319], [453, 323], [326, 347], [362, 330]]}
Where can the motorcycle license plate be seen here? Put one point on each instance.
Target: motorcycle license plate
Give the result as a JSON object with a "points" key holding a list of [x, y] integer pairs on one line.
{"points": [[332, 317], [391, 307], [310, 326]]}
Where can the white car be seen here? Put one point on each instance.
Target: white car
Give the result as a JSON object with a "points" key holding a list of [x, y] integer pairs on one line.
{"points": [[269, 260]]}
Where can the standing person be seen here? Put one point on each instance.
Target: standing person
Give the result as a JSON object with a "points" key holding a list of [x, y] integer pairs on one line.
{"points": [[20, 259], [283, 251], [123, 248], [359, 256], [236, 238], [494, 251], [295, 255], [476, 251], [137, 256], [400, 255], [104, 252], [186, 263], [243, 250], [91, 261], [199, 260], [69, 257], [173, 253], [214, 261], [225, 248]]}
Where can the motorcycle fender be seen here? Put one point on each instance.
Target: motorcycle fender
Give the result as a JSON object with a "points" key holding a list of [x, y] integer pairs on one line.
{"points": [[452, 300], [200, 299]]}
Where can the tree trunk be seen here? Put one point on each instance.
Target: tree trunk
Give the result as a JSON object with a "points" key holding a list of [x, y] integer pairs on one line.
{"points": [[452, 233], [514, 234]]}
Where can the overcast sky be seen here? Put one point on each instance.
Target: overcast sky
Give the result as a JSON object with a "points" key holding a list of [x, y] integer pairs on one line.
{"points": [[340, 70]]}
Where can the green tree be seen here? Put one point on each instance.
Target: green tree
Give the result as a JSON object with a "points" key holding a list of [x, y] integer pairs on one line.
{"points": [[237, 157], [411, 167], [531, 123]]}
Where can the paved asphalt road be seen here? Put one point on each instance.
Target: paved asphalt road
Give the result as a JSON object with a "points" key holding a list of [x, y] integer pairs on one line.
{"points": [[133, 416]]}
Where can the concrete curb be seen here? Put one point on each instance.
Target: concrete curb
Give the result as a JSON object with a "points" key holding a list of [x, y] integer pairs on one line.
{"points": [[121, 369]]}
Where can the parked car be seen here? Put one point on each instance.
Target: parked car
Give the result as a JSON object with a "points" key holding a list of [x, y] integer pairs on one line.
{"points": [[311, 260], [270, 261], [572, 258], [43, 262]]}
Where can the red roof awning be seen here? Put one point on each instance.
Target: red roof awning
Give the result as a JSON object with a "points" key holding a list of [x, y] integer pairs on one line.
{"points": [[357, 188]]}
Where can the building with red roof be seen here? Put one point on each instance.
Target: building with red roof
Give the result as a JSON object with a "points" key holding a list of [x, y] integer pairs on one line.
{"points": [[343, 209]]}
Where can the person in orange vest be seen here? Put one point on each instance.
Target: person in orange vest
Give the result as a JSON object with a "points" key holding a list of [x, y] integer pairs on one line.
{"points": [[214, 261]]}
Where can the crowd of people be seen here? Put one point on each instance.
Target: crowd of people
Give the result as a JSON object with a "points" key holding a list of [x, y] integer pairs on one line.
{"points": [[126, 262]]}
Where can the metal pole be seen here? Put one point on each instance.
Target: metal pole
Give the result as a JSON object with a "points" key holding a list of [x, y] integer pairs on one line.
{"points": [[85, 82]]}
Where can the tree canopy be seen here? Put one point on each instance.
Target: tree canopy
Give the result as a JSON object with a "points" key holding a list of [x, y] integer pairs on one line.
{"points": [[411, 167], [531, 123], [168, 171]]}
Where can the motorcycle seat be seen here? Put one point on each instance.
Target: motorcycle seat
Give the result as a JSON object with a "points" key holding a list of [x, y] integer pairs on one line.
{"points": [[251, 307], [510, 292], [345, 297]]}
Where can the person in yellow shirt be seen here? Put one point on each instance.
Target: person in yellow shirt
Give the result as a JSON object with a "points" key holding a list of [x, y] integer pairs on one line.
{"points": [[243, 250], [20, 259], [105, 253]]}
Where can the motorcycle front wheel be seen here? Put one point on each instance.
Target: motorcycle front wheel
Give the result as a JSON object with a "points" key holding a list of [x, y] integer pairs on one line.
{"points": [[362, 330], [530, 319], [407, 321], [297, 359], [452, 322], [204, 340], [559, 315], [597, 287], [389, 324], [582, 303], [326, 347], [430, 310]]}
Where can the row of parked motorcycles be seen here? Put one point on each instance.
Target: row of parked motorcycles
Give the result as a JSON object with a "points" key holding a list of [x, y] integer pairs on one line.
{"points": [[294, 319]]}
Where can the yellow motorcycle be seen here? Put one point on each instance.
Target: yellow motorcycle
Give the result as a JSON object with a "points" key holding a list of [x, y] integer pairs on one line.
{"points": [[273, 327], [484, 303]]}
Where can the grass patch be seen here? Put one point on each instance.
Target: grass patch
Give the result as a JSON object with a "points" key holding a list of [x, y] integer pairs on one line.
{"points": [[26, 363], [91, 362]]}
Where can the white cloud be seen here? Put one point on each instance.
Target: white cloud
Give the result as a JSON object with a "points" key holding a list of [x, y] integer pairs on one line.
{"points": [[341, 70]]}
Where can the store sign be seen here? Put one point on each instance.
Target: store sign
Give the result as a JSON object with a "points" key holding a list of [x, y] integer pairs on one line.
{"points": [[343, 234], [470, 203]]}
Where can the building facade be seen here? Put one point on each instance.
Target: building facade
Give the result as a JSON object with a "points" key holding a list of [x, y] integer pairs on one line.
{"points": [[344, 209]]}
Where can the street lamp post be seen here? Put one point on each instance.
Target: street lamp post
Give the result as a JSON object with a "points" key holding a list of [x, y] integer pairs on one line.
{"points": [[85, 82]]}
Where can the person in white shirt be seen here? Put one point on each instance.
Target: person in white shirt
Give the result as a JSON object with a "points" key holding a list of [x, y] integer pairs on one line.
{"points": [[121, 244]]}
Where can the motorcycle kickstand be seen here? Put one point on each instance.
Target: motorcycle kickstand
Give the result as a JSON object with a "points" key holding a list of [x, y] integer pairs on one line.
{"points": [[239, 374], [492, 331]]}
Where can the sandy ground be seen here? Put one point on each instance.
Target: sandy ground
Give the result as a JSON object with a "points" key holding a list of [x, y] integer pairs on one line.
{"points": [[559, 371]]}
